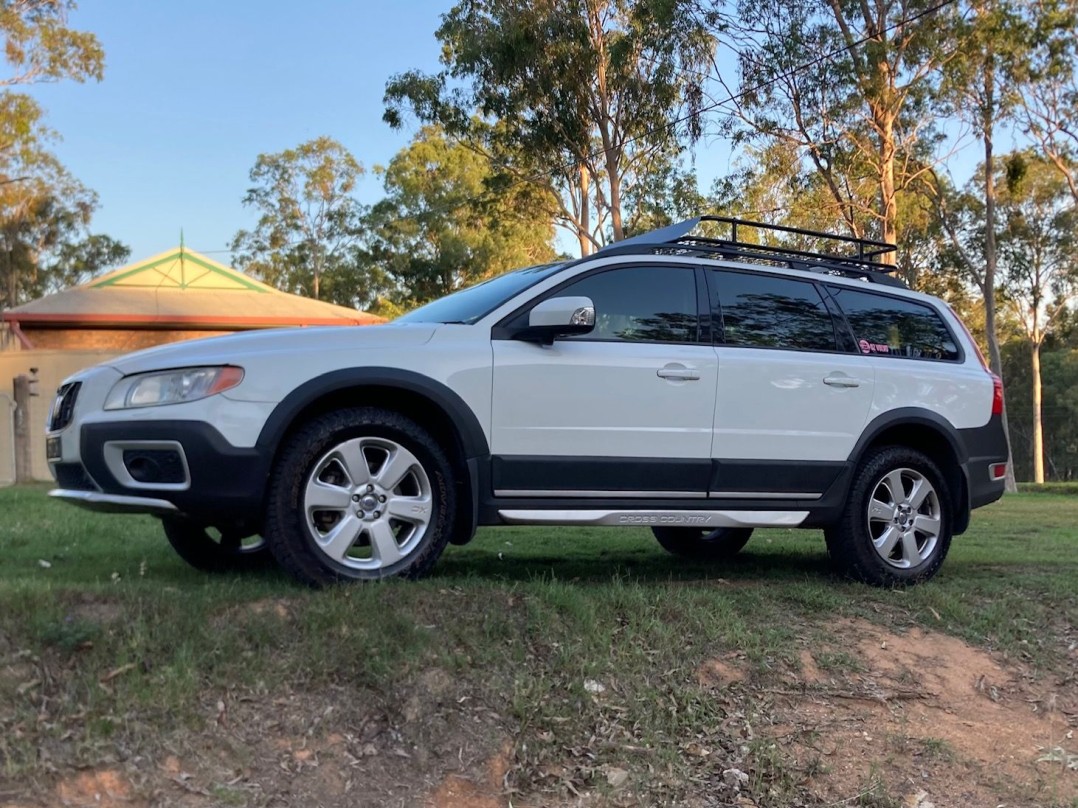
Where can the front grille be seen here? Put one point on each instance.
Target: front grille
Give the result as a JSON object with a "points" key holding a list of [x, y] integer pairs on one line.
{"points": [[73, 477], [64, 406]]}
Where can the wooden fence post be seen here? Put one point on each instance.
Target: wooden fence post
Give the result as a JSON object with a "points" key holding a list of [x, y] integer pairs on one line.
{"points": [[23, 473]]}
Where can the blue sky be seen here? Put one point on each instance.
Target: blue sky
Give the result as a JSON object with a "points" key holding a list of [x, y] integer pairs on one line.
{"points": [[194, 91]]}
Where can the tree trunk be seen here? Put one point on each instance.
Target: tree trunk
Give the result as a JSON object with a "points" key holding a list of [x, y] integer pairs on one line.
{"points": [[995, 360], [888, 202], [1038, 428], [585, 215], [12, 286], [615, 196]]}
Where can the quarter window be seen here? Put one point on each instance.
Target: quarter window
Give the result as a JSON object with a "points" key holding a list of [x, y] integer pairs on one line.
{"points": [[641, 304], [765, 311], [890, 326]]}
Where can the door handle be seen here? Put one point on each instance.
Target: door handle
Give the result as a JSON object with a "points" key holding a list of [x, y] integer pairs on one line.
{"points": [[678, 372], [841, 380]]}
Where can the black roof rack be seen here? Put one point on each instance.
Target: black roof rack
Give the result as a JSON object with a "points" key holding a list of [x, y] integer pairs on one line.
{"points": [[773, 244]]}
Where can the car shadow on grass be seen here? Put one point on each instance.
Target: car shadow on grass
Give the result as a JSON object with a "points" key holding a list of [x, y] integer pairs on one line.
{"points": [[637, 566]]}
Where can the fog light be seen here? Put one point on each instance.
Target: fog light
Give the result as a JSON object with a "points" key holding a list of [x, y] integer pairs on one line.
{"points": [[997, 471], [155, 466]]}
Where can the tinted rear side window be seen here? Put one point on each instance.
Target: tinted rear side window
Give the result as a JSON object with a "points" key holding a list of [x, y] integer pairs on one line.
{"points": [[889, 326], [764, 311]]}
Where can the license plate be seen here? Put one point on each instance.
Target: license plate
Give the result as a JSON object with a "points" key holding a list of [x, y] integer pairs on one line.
{"points": [[52, 449]]}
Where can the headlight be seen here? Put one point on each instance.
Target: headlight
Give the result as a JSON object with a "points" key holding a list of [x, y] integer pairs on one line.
{"points": [[172, 387]]}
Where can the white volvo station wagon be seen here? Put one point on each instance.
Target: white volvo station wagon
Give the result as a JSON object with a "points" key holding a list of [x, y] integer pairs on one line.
{"points": [[703, 380]]}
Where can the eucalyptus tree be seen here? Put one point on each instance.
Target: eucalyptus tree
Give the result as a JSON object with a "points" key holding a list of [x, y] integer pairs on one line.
{"points": [[1045, 81], [43, 208], [41, 205], [310, 222], [853, 86], [445, 223], [584, 99], [1038, 245]]}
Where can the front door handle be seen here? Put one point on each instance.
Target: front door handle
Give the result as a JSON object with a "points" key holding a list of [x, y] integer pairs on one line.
{"points": [[678, 372], [841, 380]]}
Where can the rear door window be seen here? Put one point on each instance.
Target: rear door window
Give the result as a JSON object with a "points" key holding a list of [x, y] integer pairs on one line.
{"points": [[766, 311]]}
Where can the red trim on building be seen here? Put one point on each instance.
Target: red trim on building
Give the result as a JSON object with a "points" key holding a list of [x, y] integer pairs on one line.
{"points": [[171, 321]]}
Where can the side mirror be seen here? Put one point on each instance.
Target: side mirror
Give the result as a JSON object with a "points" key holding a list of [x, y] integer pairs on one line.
{"points": [[558, 317]]}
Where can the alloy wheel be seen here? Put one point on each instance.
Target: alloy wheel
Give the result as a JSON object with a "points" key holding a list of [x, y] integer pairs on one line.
{"points": [[367, 503]]}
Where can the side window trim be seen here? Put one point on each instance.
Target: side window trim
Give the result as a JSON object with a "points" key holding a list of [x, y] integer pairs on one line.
{"points": [[502, 330], [843, 330], [714, 308], [705, 324]]}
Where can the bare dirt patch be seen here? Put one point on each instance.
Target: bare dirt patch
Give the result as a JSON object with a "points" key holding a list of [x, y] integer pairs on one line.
{"points": [[104, 788], [282, 609], [486, 791], [927, 712], [721, 671]]}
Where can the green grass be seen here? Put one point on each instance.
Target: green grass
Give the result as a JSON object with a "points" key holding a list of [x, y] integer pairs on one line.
{"points": [[1048, 488], [518, 619]]}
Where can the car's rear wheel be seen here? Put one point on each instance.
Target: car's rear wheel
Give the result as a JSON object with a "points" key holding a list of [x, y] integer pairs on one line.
{"points": [[702, 544], [212, 550], [360, 494], [897, 525]]}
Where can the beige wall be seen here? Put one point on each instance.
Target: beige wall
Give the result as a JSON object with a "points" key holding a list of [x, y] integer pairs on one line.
{"points": [[7, 452], [53, 367]]}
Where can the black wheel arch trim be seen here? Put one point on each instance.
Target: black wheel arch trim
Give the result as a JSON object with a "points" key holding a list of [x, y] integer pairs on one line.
{"points": [[909, 416], [828, 509], [832, 502], [473, 439]]}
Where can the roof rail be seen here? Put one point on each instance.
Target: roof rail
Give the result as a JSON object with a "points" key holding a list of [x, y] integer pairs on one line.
{"points": [[771, 243]]}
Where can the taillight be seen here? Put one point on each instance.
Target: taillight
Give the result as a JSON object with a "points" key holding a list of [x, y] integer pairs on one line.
{"points": [[997, 394]]}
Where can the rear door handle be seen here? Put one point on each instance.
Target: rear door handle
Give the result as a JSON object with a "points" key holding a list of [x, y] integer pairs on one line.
{"points": [[678, 372], [841, 380]]}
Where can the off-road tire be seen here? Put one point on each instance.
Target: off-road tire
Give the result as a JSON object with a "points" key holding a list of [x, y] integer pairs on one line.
{"points": [[209, 553], [701, 544], [850, 542], [287, 533]]}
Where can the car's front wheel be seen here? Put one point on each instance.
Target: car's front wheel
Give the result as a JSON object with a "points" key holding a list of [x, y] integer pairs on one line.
{"points": [[212, 550], [896, 528], [359, 494], [702, 544]]}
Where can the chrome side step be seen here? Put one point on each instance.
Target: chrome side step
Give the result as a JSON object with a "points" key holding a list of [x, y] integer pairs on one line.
{"points": [[649, 518]]}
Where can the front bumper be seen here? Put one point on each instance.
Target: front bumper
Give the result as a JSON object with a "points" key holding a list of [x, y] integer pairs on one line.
{"points": [[225, 485]]}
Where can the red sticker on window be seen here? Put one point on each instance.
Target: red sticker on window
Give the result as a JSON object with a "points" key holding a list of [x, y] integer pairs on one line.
{"points": [[873, 347]]}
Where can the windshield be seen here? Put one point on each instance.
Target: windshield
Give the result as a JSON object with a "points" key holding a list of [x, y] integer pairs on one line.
{"points": [[470, 305]]}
